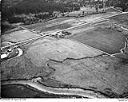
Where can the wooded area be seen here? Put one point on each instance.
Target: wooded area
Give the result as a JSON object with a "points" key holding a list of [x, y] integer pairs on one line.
{"points": [[34, 11]]}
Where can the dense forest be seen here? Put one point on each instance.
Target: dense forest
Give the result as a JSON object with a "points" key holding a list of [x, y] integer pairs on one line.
{"points": [[34, 11], [34, 7], [119, 3]]}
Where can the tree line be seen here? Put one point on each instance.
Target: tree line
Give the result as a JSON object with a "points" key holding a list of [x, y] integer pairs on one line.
{"points": [[33, 11], [35, 7]]}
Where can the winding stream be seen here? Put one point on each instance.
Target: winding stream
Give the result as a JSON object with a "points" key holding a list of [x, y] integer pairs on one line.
{"points": [[34, 83], [59, 91]]}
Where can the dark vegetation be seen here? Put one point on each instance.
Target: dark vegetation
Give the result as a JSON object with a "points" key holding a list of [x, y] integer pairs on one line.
{"points": [[121, 19], [21, 91], [33, 11], [119, 3], [35, 7]]}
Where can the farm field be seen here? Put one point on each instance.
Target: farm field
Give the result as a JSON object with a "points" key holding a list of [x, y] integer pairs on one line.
{"points": [[122, 19], [79, 64], [100, 37]]}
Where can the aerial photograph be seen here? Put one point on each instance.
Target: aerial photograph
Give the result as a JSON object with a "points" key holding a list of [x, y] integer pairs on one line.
{"points": [[66, 49]]}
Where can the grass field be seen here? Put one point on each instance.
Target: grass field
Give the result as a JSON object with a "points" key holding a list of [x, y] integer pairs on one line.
{"points": [[55, 23], [121, 19], [106, 39], [59, 27], [72, 61], [18, 36]]}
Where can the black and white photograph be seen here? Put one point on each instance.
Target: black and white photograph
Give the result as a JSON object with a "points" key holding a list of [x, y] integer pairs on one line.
{"points": [[64, 49]]}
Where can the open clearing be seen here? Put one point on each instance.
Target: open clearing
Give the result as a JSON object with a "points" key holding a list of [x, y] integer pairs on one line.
{"points": [[121, 19], [61, 60], [71, 61], [101, 37], [49, 24], [18, 36]]}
